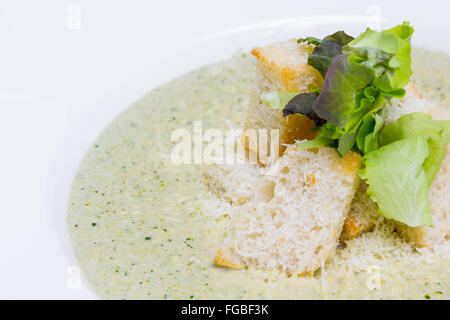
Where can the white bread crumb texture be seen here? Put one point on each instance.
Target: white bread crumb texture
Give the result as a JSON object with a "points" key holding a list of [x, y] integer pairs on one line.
{"points": [[294, 219]]}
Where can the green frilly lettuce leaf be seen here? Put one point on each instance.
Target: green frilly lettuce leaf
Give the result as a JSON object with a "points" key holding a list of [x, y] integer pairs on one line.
{"points": [[277, 99], [401, 171], [397, 180], [418, 124], [390, 54]]}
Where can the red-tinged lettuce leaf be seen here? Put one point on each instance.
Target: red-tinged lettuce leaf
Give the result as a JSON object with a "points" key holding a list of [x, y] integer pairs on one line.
{"points": [[366, 106], [344, 79], [302, 104], [327, 50], [292, 103]]}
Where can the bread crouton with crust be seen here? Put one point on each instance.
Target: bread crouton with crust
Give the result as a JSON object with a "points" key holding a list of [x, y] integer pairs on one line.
{"points": [[281, 67], [362, 216], [233, 183], [284, 67], [293, 222], [227, 257]]}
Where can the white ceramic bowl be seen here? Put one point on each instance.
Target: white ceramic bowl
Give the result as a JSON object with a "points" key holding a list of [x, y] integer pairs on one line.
{"points": [[69, 69]]}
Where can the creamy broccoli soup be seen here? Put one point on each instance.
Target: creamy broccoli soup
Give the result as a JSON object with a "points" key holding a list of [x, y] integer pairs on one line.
{"points": [[145, 228]]}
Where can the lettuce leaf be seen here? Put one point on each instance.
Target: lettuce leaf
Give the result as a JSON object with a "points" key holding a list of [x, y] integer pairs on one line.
{"points": [[420, 124], [364, 124], [302, 104], [367, 126], [315, 143], [400, 173], [360, 76], [371, 68], [326, 50], [310, 40], [340, 37], [346, 142], [369, 101], [327, 135], [389, 53], [277, 99], [397, 180], [415, 124], [337, 100], [371, 139], [292, 103]]}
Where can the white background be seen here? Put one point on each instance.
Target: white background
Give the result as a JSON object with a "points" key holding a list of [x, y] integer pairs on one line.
{"points": [[60, 85]]}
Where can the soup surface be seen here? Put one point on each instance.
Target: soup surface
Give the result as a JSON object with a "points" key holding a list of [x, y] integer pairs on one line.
{"points": [[143, 227]]}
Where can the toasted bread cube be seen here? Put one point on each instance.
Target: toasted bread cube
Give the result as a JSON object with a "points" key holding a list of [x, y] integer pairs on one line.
{"points": [[233, 183], [439, 193], [227, 257], [294, 225], [282, 67], [362, 216], [292, 128]]}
